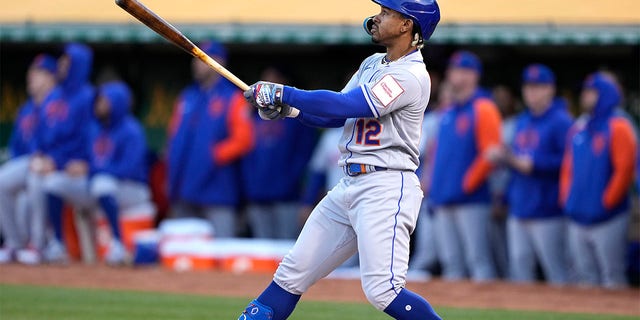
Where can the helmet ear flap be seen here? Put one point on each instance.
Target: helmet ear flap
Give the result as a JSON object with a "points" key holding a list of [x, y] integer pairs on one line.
{"points": [[368, 24]]}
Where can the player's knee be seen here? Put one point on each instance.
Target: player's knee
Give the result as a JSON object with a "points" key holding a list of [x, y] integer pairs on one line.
{"points": [[103, 185], [379, 293], [288, 276], [54, 183]]}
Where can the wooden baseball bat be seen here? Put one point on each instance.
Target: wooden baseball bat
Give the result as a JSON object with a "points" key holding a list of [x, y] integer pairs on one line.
{"points": [[169, 32]]}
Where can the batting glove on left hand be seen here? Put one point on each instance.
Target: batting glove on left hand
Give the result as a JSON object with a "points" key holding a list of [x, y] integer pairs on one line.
{"points": [[265, 94]]}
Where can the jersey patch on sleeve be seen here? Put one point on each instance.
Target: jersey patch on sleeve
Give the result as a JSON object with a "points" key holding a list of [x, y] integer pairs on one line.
{"points": [[387, 90]]}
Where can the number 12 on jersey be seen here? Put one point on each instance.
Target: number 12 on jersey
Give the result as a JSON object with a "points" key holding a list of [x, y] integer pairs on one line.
{"points": [[367, 132]]}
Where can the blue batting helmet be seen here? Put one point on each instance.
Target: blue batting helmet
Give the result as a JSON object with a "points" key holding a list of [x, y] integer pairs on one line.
{"points": [[424, 13]]}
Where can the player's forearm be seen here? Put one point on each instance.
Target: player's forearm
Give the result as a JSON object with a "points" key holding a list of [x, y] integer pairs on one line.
{"points": [[320, 122], [328, 104]]}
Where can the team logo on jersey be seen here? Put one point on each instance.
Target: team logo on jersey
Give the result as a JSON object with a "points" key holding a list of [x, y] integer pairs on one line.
{"points": [[598, 143], [215, 108], [56, 111], [528, 139], [463, 123], [387, 90], [102, 150]]}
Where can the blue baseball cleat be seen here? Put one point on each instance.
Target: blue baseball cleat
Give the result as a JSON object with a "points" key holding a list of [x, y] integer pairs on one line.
{"points": [[256, 311]]}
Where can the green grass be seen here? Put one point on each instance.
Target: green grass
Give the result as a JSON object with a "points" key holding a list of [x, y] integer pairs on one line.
{"points": [[31, 303]]}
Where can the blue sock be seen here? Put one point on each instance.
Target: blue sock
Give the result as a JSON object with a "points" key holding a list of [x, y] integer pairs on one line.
{"points": [[54, 207], [410, 306], [110, 207], [279, 300]]}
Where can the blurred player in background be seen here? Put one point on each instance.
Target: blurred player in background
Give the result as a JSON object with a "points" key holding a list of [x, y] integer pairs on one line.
{"points": [[373, 210], [210, 130], [536, 225], [324, 171], [597, 171], [117, 175], [507, 103], [425, 255], [273, 198], [61, 158], [17, 221], [459, 191]]}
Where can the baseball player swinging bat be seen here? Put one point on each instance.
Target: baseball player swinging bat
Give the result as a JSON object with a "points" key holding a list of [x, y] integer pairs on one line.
{"points": [[169, 32]]}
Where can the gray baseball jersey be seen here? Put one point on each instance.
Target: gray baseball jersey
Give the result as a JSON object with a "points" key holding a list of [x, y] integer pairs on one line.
{"points": [[397, 93]]}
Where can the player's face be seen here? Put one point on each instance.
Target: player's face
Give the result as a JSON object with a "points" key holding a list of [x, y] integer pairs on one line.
{"points": [[462, 78], [102, 108], [64, 63], [588, 99], [38, 81], [537, 97], [387, 26], [201, 72], [445, 95]]}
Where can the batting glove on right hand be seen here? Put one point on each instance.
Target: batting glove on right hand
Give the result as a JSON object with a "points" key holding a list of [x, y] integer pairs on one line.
{"points": [[279, 112], [269, 114]]}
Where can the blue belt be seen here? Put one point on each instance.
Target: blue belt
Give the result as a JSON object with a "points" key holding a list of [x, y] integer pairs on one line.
{"points": [[356, 169]]}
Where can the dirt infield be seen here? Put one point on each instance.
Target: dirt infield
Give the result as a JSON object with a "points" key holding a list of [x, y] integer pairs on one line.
{"points": [[451, 294]]}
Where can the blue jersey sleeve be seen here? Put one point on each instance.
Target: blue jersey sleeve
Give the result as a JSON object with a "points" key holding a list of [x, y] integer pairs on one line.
{"points": [[329, 104], [320, 122], [17, 145], [16, 148]]}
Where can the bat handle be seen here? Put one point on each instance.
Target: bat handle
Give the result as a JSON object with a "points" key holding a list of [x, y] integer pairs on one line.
{"points": [[294, 113]]}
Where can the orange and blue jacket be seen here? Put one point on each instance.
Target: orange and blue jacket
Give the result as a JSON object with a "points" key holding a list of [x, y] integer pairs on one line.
{"points": [[209, 131], [598, 165], [461, 168]]}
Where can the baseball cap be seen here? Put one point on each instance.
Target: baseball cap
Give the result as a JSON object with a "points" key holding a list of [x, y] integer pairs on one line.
{"points": [[45, 62], [214, 48], [538, 74], [466, 60]]}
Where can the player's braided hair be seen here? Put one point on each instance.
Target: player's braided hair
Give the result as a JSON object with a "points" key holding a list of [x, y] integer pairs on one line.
{"points": [[418, 41]]}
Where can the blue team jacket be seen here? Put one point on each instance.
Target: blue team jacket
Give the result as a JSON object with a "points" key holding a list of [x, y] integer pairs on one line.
{"points": [[77, 86], [202, 121], [460, 170], [542, 138], [118, 147], [274, 169], [599, 161], [25, 129], [64, 124]]}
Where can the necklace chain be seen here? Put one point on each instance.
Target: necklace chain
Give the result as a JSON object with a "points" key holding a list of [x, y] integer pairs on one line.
{"points": [[386, 60]]}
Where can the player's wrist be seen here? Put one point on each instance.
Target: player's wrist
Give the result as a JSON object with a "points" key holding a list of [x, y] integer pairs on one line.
{"points": [[287, 93]]}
